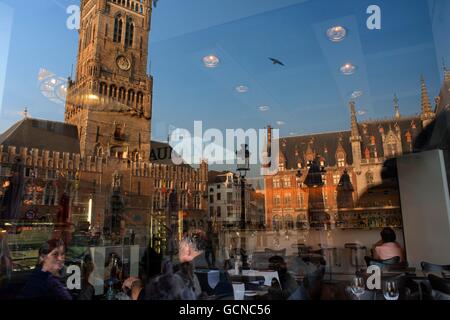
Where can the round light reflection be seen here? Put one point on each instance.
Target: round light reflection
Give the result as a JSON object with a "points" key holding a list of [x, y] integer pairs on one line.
{"points": [[211, 61], [348, 69], [336, 33], [242, 89]]}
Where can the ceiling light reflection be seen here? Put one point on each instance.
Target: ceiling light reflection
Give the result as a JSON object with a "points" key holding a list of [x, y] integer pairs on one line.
{"points": [[336, 33]]}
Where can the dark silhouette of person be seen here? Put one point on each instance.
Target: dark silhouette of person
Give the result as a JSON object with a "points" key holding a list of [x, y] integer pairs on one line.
{"points": [[287, 287], [13, 192]]}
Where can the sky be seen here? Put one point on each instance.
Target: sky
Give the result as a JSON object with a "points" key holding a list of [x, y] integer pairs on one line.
{"points": [[307, 95]]}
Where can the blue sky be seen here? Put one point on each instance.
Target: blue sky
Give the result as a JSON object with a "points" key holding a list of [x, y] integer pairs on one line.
{"points": [[308, 95]]}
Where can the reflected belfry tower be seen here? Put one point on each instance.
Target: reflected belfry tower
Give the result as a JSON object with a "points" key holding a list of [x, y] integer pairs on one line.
{"points": [[112, 92]]}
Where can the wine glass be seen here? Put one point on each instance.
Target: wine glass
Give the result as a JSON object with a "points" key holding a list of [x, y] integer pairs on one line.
{"points": [[358, 286], [390, 290]]}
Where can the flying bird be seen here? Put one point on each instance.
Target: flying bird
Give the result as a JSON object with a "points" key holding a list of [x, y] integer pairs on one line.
{"points": [[155, 3], [276, 61]]}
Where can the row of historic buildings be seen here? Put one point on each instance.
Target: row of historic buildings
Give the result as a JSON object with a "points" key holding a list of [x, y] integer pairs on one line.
{"points": [[347, 179]]}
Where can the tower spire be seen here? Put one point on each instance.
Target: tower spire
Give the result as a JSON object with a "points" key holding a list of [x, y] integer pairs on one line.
{"points": [[396, 107], [427, 113], [354, 120], [446, 72]]}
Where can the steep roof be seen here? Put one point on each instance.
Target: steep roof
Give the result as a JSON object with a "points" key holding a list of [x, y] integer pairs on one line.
{"points": [[371, 133], [43, 135], [325, 145]]}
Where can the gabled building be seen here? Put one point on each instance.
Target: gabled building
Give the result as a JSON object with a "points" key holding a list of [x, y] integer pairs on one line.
{"points": [[345, 179]]}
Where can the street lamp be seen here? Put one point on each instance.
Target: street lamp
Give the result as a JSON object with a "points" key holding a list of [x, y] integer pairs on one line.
{"points": [[243, 166]]}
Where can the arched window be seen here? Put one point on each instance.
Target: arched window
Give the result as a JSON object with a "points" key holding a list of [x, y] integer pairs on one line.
{"points": [[122, 93], [113, 91], [118, 25], [99, 151], [103, 88], [131, 96], [50, 195], [140, 98], [129, 33]]}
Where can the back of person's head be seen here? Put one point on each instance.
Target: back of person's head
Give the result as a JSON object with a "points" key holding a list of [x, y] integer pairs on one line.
{"points": [[88, 268], [48, 247], [151, 263], [277, 263], [388, 235]]}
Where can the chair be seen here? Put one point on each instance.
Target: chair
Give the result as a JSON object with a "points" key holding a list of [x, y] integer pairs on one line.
{"points": [[330, 256], [440, 288], [392, 262], [299, 294], [430, 267], [354, 248], [313, 282]]}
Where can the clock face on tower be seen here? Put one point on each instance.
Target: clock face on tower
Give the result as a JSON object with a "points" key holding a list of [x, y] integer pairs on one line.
{"points": [[123, 63]]}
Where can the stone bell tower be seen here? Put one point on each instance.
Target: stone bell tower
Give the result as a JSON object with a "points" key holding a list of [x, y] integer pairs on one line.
{"points": [[110, 99]]}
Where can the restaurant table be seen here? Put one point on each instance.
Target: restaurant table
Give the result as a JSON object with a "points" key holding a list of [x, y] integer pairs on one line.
{"points": [[258, 293], [267, 274]]}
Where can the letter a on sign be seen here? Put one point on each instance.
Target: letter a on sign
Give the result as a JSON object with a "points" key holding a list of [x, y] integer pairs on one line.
{"points": [[74, 280], [374, 281], [374, 21]]}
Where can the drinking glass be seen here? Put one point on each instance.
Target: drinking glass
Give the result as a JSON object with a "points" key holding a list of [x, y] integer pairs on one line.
{"points": [[390, 290], [358, 286]]}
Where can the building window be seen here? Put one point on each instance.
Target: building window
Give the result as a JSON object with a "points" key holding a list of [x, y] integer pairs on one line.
{"points": [[219, 212], [118, 24], [276, 200], [276, 183], [287, 199], [229, 197], [211, 211], [129, 33], [211, 198], [300, 199], [50, 195], [51, 174], [287, 182], [219, 196], [341, 162], [336, 179]]}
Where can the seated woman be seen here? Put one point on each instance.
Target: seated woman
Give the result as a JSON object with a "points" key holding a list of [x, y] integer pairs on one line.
{"points": [[44, 283], [387, 247]]}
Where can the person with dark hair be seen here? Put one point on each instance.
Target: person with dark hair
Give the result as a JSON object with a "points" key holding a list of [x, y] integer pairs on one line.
{"points": [[182, 285], [287, 288], [387, 247], [87, 289], [150, 265], [188, 280], [45, 283], [165, 286], [134, 288]]}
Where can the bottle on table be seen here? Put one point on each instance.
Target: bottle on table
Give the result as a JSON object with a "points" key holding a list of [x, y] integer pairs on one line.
{"points": [[110, 295]]}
